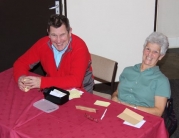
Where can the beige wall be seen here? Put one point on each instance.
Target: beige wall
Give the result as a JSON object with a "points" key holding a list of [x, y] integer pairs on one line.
{"points": [[115, 29]]}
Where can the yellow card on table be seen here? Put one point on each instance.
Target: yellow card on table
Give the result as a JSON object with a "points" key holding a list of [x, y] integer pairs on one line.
{"points": [[130, 116], [74, 93], [102, 103]]}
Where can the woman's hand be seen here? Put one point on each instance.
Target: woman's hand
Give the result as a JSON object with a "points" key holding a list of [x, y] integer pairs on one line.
{"points": [[114, 97]]}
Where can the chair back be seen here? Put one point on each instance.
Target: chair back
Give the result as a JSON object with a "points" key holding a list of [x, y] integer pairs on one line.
{"points": [[104, 70]]}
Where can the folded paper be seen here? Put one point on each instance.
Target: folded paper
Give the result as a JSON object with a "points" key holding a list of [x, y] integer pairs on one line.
{"points": [[130, 116], [138, 125]]}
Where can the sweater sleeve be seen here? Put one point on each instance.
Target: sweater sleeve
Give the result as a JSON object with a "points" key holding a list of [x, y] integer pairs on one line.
{"points": [[27, 61]]}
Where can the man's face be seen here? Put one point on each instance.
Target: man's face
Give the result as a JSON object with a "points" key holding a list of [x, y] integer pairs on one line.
{"points": [[59, 37]]}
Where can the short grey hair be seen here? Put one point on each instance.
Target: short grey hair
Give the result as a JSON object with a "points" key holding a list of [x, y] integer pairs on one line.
{"points": [[159, 39]]}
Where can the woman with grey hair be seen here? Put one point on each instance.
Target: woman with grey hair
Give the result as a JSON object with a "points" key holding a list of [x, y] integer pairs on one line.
{"points": [[144, 86]]}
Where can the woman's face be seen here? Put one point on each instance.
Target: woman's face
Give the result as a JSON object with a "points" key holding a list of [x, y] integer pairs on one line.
{"points": [[151, 55]]}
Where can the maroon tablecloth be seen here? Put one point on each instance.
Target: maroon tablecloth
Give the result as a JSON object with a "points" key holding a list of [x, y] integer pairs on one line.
{"points": [[20, 119]]}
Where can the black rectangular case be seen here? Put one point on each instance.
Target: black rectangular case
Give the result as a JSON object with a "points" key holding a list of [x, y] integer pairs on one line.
{"points": [[54, 99]]}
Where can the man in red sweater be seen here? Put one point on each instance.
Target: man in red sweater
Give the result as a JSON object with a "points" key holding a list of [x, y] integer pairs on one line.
{"points": [[64, 57]]}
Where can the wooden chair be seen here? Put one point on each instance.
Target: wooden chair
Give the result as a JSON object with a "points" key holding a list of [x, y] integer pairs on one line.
{"points": [[104, 70]]}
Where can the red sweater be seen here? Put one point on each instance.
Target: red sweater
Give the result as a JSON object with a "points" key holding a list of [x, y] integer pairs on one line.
{"points": [[74, 69]]}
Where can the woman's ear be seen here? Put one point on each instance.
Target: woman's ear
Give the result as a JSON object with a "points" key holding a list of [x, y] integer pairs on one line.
{"points": [[161, 56]]}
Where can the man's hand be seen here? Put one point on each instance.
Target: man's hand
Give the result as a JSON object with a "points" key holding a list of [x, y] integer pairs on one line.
{"points": [[32, 82], [26, 83], [21, 83]]}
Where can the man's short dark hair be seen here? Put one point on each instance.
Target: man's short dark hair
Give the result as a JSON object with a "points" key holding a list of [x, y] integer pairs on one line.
{"points": [[56, 20]]}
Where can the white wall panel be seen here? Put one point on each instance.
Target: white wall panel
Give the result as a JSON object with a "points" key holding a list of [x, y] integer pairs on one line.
{"points": [[115, 29], [168, 20]]}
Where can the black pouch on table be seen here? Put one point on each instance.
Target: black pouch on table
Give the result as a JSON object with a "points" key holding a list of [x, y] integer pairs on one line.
{"points": [[56, 95]]}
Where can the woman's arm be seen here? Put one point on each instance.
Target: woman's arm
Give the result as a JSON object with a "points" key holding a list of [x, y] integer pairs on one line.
{"points": [[160, 103], [158, 109]]}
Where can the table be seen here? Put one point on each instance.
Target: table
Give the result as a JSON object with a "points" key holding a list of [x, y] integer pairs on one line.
{"points": [[20, 119]]}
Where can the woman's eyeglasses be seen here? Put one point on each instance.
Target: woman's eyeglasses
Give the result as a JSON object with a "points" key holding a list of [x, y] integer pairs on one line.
{"points": [[91, 118]]}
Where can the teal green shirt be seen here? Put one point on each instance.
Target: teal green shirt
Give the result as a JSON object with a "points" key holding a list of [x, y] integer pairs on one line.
{"points": [[140, 88]]}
